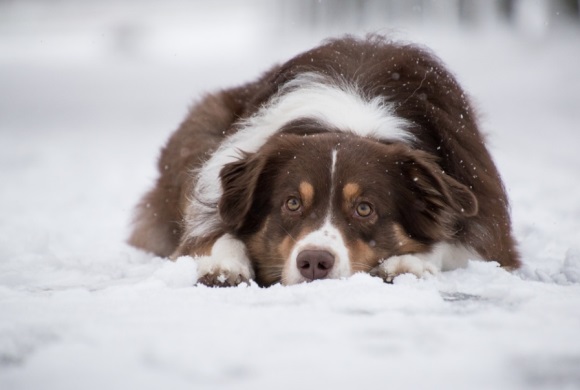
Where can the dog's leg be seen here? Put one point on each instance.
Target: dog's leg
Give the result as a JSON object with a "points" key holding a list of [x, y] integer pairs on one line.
{"points": [[442, 257], [416, 264], [226, 264]]}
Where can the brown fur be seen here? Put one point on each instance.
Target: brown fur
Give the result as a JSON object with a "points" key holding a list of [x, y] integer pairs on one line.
{"points": [[365, 256], [405, 243], [444, 187]]}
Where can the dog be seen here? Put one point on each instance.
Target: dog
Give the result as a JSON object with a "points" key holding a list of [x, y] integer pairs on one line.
{"points": [[360, 155]]}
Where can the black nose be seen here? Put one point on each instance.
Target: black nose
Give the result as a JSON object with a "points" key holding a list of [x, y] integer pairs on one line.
{"points": [[314, 264]]}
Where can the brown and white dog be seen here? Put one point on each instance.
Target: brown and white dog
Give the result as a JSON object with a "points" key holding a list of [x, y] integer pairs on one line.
{"points": [[361, 155]]}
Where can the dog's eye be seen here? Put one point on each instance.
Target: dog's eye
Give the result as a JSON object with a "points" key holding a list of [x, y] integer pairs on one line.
{"points": [[293, 203], [364, 209]]}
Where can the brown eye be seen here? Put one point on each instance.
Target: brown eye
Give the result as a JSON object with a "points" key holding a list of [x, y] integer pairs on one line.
{"points": [[364, 209], [293, 204]]}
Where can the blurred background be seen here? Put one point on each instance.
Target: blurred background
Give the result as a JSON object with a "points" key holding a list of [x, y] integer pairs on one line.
{"points": [[140, 60]]}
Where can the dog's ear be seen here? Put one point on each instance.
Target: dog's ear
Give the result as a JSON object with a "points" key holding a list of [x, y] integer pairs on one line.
{"points": [[239, 182], [438, 199]]}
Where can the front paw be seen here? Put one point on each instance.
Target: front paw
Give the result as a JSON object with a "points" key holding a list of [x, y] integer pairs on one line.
{"points": [[404, 264], [223, 272], [227, 265]]}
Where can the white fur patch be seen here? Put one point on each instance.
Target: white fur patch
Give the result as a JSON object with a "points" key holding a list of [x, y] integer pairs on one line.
{"points": [[228, 262], [406, 264], [339, 105], [333, 167], [332, 172], [327, 238], [443, 257]]}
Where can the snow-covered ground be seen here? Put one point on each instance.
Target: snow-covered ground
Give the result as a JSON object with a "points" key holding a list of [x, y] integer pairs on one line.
{"points": [[85, 104]]}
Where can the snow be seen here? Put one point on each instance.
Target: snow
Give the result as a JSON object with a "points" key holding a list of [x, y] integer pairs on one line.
{"points": [[80, 128]]}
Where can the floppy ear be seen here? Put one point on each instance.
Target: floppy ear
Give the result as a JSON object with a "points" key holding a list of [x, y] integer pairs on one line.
{"points": [[439, 199], [239, 181]]}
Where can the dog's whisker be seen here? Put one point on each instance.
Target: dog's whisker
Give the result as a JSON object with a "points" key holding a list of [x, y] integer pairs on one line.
{"points": [[288, 233], [364, 266]]}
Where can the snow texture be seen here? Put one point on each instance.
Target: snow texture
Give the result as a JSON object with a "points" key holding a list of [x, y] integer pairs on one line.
{"points": [[85, 105]]}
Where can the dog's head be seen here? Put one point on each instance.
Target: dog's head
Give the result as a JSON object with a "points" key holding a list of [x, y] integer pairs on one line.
{"points": [[327, 205]]}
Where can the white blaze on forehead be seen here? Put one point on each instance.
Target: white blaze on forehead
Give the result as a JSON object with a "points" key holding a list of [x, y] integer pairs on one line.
{"points": [[332, 173], [327, 238], [332, 185], [333, 165], [335, 103]]}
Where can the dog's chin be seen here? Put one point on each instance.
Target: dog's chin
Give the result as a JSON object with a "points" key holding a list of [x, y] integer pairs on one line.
{"points": [[291, 275]]}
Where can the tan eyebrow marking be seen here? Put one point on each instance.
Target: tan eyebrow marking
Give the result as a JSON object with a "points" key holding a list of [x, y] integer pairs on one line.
{"points": [[350, 192], [306, 193]]}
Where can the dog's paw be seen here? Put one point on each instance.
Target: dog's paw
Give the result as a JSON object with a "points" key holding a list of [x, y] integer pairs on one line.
{"points": [[404, 264], [228, 264], [222, 275], [223, 272]]}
